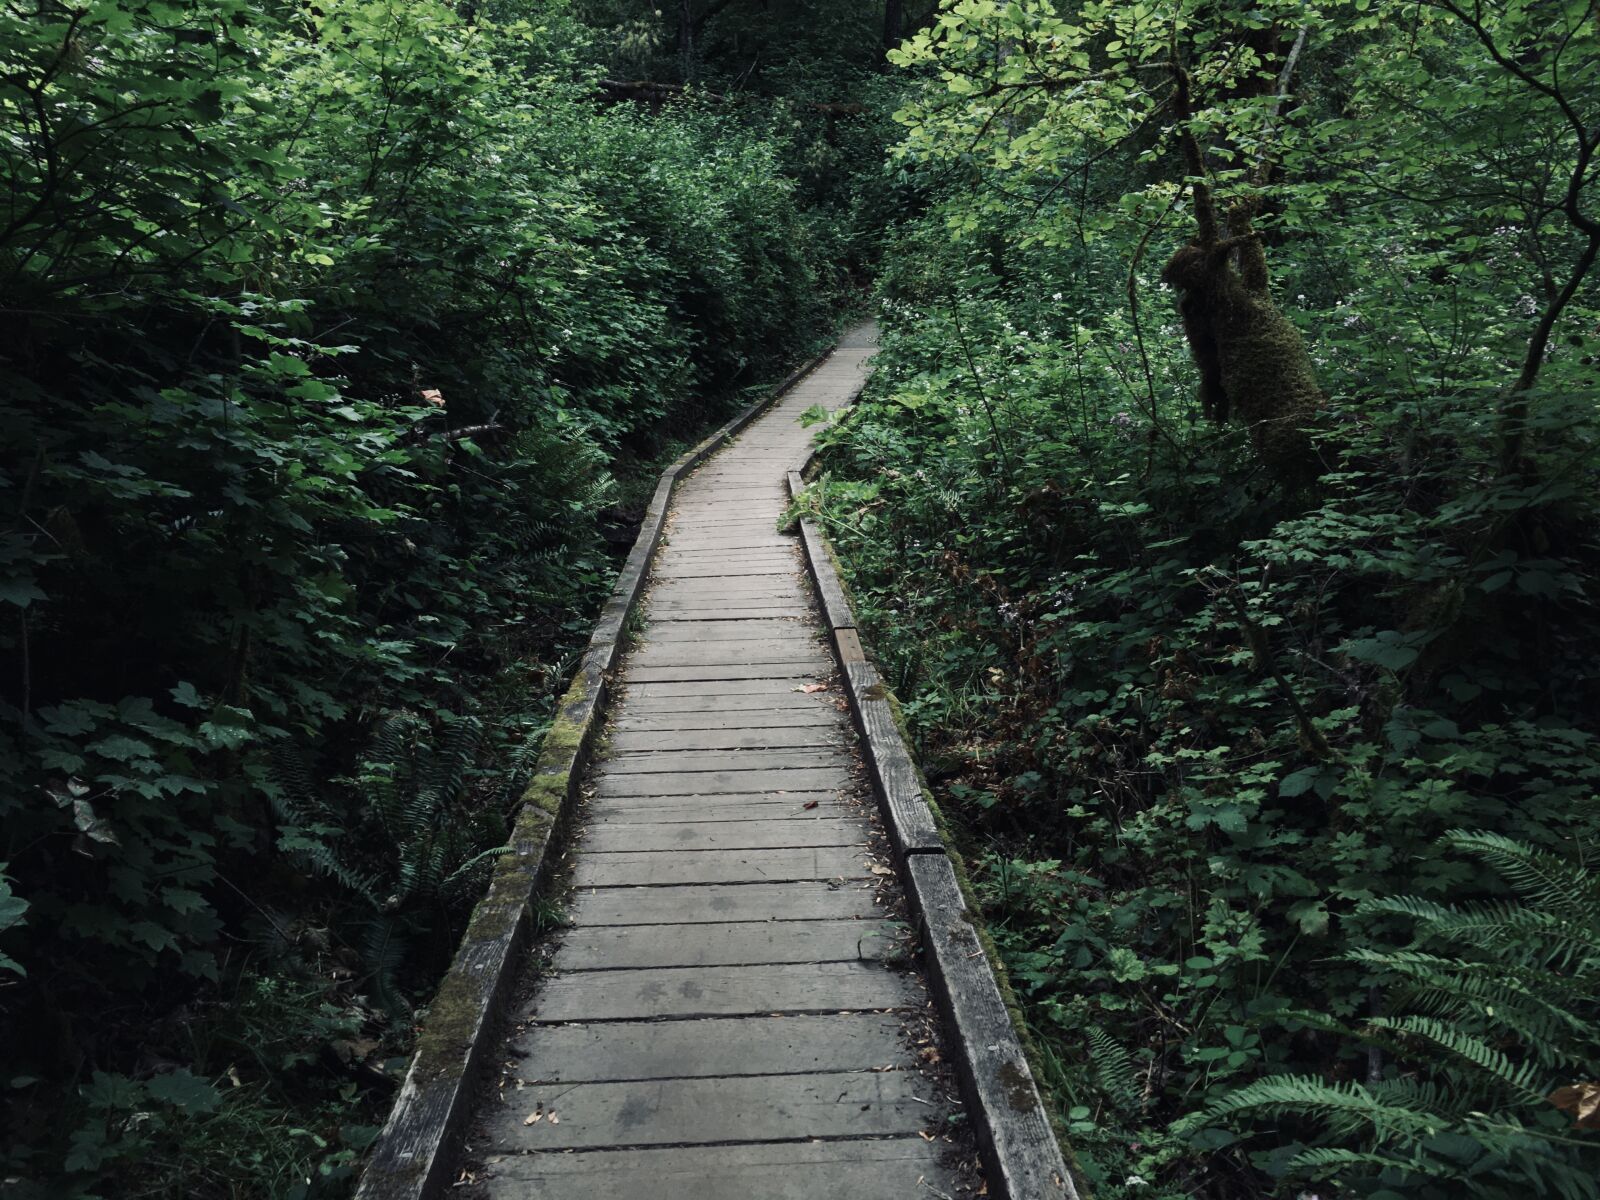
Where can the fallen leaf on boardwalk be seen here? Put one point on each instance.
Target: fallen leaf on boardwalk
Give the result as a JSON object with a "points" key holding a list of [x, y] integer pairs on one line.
{"points": [[925, 1136], [878, 869], [554, 1120], [535, 1117], [814, 687], [811, 804]]}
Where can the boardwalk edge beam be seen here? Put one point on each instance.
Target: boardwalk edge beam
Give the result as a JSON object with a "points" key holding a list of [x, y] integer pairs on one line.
{"points": [[1021, 1157], [412, 1155]]}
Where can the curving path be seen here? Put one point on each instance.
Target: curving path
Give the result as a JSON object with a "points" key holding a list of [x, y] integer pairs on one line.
{"points": [[729, 1016]]}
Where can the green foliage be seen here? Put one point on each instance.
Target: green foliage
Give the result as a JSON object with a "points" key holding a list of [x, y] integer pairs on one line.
{"points": [[1194, 722], [1496, 1002], [330, 330]]}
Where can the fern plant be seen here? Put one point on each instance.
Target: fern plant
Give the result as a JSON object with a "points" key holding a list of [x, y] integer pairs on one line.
{"points": [[413, 847], [1493, 1031]]}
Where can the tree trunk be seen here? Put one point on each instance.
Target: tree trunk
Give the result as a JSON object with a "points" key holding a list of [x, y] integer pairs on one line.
{"points": [[894, 17], [686, 40]]}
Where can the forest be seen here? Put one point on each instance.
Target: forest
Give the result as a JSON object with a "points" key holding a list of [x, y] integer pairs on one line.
{"points": [[1223, 514]]}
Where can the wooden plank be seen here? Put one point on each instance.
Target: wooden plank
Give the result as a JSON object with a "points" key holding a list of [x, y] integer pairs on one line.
{"points": [[689, 1111], [706, 783], [822, 735], [700, 902], [835, 608], [723, 597], [727, 943], [723, 549], [674, 762], [744, 990], [728, 671], [634, 810], [728, 652], [730, 691], [725, 835], [736, 636], [674, 557], [748, 630], [624, 868], [778, 581], [729, 612], [894, 775], [890, 1169], [793, 718], [674, 568], [714, 1046], [707, 698], [1021, 1157]]}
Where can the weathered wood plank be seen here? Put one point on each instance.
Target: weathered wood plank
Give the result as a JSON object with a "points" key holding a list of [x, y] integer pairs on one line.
{"points": [[744, 990], [729, 612], [688, 1111], [893, 773], [677, 569], [762, 1045], [796, 719], [781, 806], [788, 649], [623, 868], [835, 608], [673, 762], [750, 629], [728, 806], [890, 1169], [728, 671], [722, 551], [727, 693], [707, 783], [697, 903], [1022, 1157], [725, 835], [821, 735], [728, 943]]}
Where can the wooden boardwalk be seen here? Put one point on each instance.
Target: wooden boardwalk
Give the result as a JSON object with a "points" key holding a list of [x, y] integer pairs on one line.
{"points": [[722, 1021]]}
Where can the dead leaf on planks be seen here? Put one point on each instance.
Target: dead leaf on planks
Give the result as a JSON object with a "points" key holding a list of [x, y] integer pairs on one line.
{"points": [[812, 687]]}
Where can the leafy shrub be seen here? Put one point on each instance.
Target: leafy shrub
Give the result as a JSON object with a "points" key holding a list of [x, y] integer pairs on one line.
{"points": [[1191, 719], [330, 330], [1487, 1012]]}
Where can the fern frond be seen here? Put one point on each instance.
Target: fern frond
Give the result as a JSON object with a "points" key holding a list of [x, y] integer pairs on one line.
{"points": [[1308, 1094], [1544, 879], [1114, 1068], [1522, 1078]]}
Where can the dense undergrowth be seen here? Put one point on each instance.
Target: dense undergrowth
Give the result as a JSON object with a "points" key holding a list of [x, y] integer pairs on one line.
{"points": [[338, 339], [1279, 786]]}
